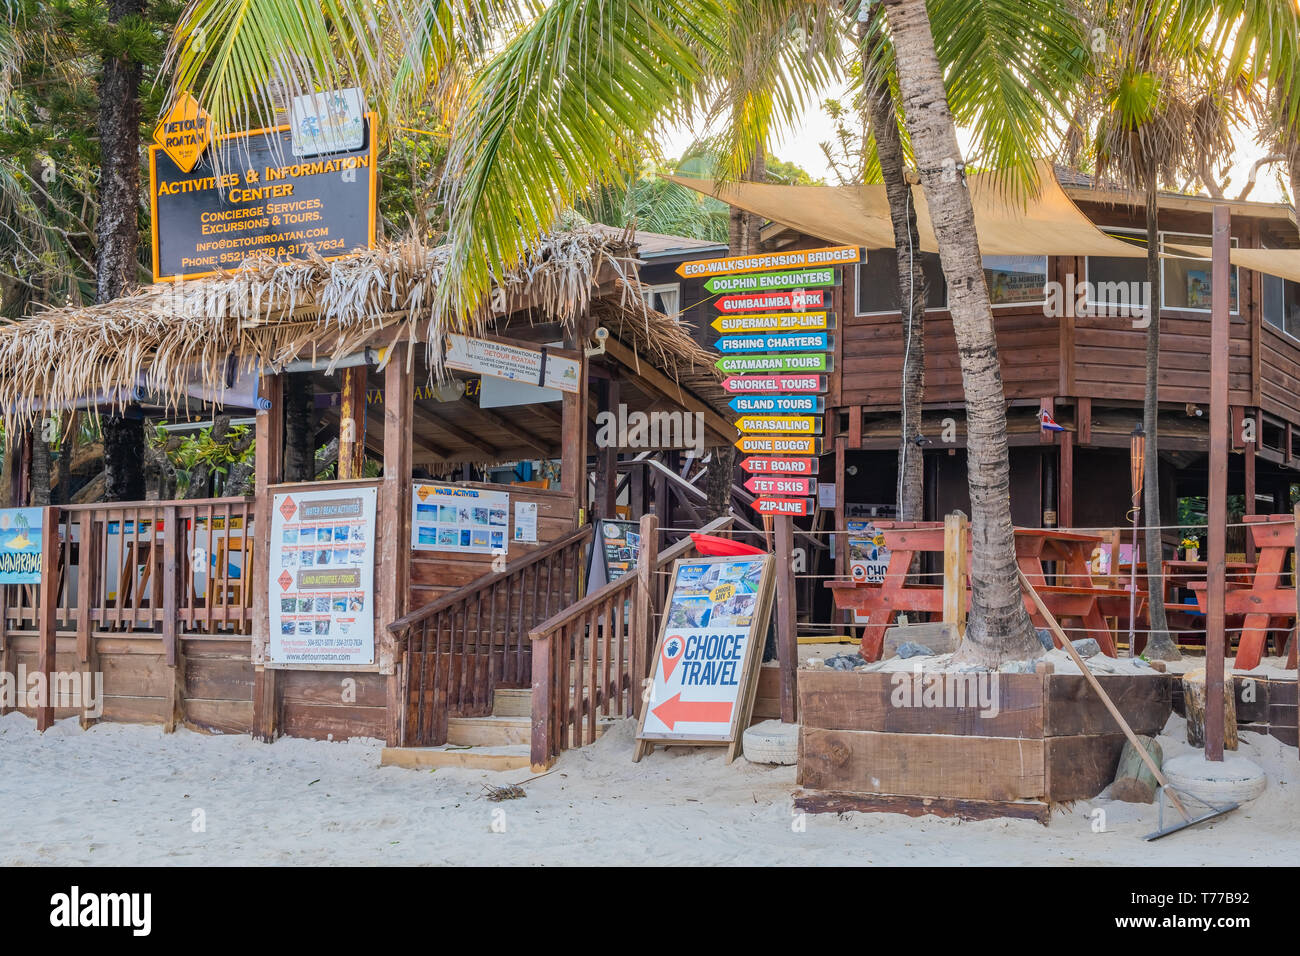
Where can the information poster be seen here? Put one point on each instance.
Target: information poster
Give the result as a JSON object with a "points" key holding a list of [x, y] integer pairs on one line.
{"points": [[511, 362], [460, 520], [868, 556], [710, 645], [526, 522], [322, 578], [621, 546], [20, 545]]}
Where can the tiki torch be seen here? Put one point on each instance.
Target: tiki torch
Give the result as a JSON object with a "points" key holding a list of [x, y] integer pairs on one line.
{"points": [[1137, 446]]}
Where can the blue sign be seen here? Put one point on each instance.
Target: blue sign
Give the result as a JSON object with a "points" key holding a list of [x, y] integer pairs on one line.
{"points": [[775, 342], [20, 545], [778, 404]]}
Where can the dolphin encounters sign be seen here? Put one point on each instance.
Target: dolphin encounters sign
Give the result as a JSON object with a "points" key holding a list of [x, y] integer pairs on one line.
{"points": [[710, 646], [249, 195]]}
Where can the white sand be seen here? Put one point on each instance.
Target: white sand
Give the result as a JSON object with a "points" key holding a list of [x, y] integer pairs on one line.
{"points": [[121, 794]]}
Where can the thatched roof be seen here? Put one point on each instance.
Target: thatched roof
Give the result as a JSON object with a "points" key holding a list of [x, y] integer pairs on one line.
{"points": [[172, 335]]}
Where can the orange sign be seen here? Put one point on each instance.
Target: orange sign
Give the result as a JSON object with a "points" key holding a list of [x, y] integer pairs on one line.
{"points": [[184, 132]]}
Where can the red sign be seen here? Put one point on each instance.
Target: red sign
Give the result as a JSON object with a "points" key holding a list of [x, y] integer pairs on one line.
{"points": [[795, 507], [791, 300], [774, 485], [780, 466], [288, 508], [757, 384]]}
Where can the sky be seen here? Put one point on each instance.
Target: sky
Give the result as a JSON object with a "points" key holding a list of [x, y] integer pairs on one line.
{"points": [[802, 147]]}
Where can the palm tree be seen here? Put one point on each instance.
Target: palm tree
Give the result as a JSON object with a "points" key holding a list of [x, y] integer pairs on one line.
{"points": [[999, 627], [1157, 107]]}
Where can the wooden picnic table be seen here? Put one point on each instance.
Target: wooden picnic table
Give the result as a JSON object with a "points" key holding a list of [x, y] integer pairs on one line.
{"points": [[1079, 600], [1265, 604]]}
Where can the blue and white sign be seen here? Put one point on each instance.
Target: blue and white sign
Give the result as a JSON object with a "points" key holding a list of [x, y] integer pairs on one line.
{"points": [[778, 342], [778, 404], [20, 545]]}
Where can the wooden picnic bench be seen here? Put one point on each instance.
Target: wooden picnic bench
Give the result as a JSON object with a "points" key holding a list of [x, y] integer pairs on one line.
{"points": [[1265, 604], [1072, 552]]}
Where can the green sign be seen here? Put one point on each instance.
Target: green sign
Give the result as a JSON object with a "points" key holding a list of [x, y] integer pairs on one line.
{"points": [[761, 281], [816, 362]]}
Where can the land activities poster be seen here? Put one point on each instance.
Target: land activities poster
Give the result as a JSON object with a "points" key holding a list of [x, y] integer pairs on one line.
{"points": [[322, 578], [708, 652], [460, 520]]}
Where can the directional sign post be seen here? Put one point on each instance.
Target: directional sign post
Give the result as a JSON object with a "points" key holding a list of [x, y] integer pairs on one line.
{"points": [[775, 322], [779, 445], [779, 342], [767, 261], [779, 466], [816, 362], [772, 301], [751, 384], [764, 281], [794, 507], [783, 424], [764, 485], [779, 404]]}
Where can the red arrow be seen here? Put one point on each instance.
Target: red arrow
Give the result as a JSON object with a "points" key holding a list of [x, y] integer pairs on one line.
{"points": [[675, 710]]}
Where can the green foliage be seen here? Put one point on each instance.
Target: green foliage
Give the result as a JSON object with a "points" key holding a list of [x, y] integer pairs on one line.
{"points": [[201, 449]]}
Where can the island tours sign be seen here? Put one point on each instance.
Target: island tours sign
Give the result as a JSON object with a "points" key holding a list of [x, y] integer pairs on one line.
{"points": [[248, 194]]}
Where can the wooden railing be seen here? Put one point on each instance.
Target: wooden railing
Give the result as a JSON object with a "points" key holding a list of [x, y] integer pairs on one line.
{"points": [[165, 570], [459, 648], [590, 660]]}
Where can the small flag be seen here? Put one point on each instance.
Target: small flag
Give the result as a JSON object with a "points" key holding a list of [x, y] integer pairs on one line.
{"points": [[1048, 422]]}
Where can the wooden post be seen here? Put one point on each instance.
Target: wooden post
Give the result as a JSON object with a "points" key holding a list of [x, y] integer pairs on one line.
{"points": [[87, 587], [787, 641], [394, 584], [48, 615], [573, 430], [1065, 477], [956, 534], [1217, 503], [607, 458], [172, 544], [352, 423], [643, 636], [1249, 462], [268, 470]]}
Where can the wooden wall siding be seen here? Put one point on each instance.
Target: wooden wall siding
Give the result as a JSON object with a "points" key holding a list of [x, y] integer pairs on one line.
{"points": [[1279, 374], [1028, 346], [434, 573], [1110, 358]]}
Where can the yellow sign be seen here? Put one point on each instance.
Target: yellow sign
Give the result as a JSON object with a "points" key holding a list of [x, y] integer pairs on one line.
{"points": [[773, 322], [768, 261], [722, 593], [184, 132], [779, 445], [795, 424]]}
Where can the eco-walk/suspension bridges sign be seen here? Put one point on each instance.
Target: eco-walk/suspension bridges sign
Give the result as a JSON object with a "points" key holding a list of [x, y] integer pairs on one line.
{"points": [[777, 342]]}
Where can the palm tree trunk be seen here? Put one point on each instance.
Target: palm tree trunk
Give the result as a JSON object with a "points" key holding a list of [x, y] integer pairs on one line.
{"points": [[39, 494], [117, 238], [299, 453], [998, 628], [912, 296], [1160, 645]]}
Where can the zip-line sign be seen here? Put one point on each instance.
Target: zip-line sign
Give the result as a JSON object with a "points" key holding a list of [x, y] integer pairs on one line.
{"points": [[775, 322], [795, 507]]}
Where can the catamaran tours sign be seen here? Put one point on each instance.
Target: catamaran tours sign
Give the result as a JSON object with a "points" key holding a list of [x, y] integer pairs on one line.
{"points": [[258, 199]]}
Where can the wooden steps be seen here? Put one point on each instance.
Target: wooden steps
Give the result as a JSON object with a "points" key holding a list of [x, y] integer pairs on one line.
{"points": [[489, 731], [473, 758], [512, 702]]}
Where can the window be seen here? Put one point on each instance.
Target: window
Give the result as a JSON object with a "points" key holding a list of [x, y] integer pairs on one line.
{"points": [[1116, 282], [1016, 280], [1186, 278], [1281, 304], [877, 282], [666, 298]]}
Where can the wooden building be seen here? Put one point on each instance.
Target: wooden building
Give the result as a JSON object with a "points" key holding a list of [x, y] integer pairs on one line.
{"points": [[169, 600]]}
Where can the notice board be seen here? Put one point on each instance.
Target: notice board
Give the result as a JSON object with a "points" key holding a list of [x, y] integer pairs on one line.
{"points": [[706, 662], [322, 577]]}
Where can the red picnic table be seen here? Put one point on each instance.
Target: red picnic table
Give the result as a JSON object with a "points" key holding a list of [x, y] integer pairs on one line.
{"points": [[1264, 604], [1080, 600]]}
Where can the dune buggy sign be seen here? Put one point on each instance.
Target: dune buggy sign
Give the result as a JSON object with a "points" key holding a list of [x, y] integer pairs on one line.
{"points": [[249, 195]]}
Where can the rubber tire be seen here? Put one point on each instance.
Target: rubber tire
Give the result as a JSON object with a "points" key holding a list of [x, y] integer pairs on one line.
{"points": [[1236, 780], [772, 742]]}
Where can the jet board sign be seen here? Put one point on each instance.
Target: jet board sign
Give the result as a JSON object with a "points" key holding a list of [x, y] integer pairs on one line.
{"points": [[707, 659], [780, 466], [262, 201]]}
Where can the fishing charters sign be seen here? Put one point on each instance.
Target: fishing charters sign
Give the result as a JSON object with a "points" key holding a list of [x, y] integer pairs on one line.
{"points": [[706, 662], [212, 206]]}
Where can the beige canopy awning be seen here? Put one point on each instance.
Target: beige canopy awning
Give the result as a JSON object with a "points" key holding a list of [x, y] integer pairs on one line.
{"points": [[1045, 223]]}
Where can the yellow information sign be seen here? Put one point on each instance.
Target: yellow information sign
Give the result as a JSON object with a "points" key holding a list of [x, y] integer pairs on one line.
{"points": [[184, 132], [769, 261], [774, 322], [779, 445], [793, 424]]}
